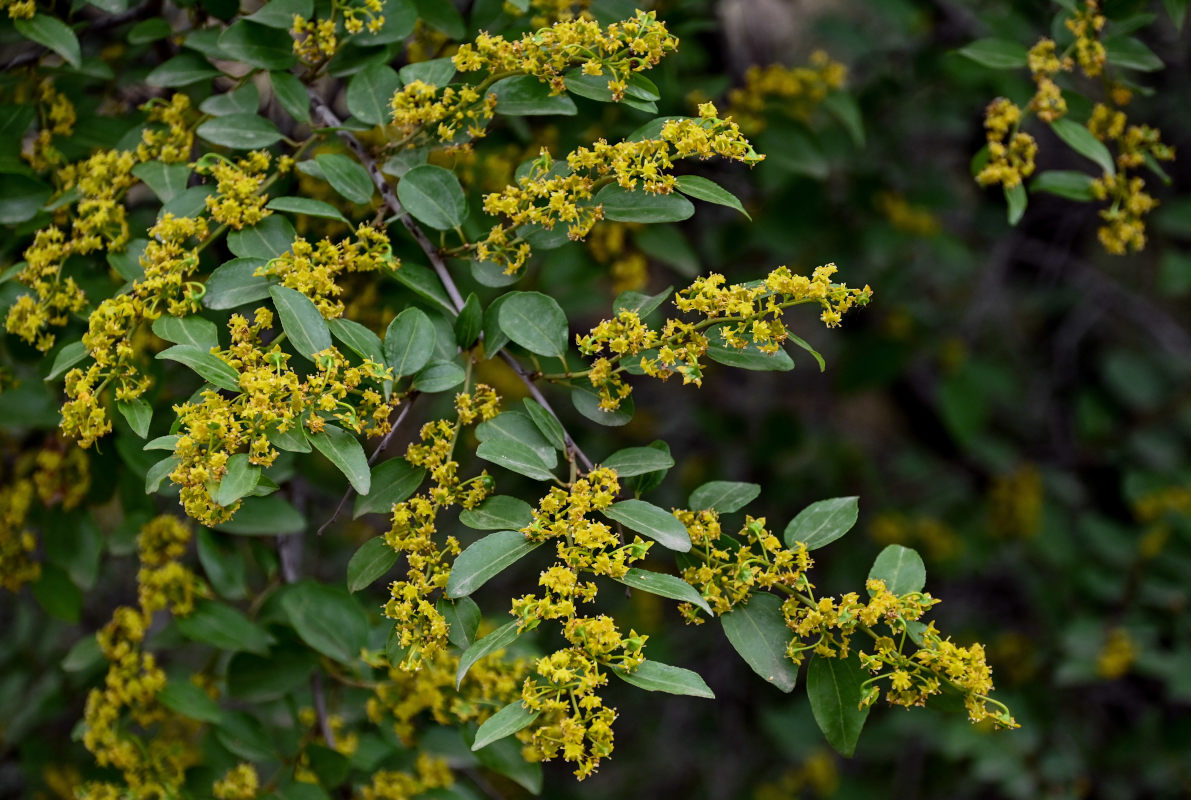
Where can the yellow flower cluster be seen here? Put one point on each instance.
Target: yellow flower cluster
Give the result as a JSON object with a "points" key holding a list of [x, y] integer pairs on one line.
{"points": [[343, 741], [726, 577], [98, 221], [1124, 227], [18, 544], [315, 41], [551, 194], [315, 269], [420, 626], [547, 11], [1087, 23], [273, 399], [19, 9], [1015, 503], [575, 723], [170, 258], [57, 115], [368, 16], [430, 772], [913, 219], [152, 763], [405, 695], [742, 313], [239, 201], [795, 91], [619, 50], [1154, 508], [1048, 101], [418, 105], [1117, 654], [1010, 151], [920, 531], [238, 783]]}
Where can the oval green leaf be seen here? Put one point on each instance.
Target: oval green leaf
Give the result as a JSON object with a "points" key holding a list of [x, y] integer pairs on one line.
{"points": [[485, 559], [650, 520]]}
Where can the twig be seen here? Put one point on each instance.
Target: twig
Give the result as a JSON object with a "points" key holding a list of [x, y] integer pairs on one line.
{"points": [[380, 448], [328, 118]]}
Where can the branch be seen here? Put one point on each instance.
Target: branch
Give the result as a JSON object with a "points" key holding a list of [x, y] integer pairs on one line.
{"points": [[328, 118]]}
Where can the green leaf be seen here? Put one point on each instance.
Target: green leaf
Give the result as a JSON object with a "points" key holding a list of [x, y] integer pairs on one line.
{"points": [[190, 202], [638, 461], [193, 330], [264, 516], [57, 594], [467, 324], [485, 559], [66, 358], [724, 496], [138, 413], [369, 563], [463, 620], [238, 482], [595, 87], [209, 367], [244, 100], [749, 357], [1084, 142], [327, 618], [515, 456], [518, 427], [190, 701], [901, 568], [224, 628], [833, 687], [409, 342], [344, 450], [1130, 53], [269, 238], [370, 93], [433, 196], [708, 190], [182, 70], [301, 321], [525, 95], [510, 719], [347, 177], [280, 13], [443, 17], [640, 303], [127, 263], [536, 322], [759, 634], [304, 205], [843, 106], [261, 679], [996, 53], [166, 180], [654, 676], [162, 443], [240, 131], [649, 520], [291, 440], [258, 45], [51, 32], [291, 94], [438, 376], [225, 566], [499, 639], [392, 481], [823, 522], [435, 71], [664, 586], [1065, 183], [83, 655], [546, 423], [802, 343], [494, 337], [1177, 9], [587, 403], [359, 339], [159, 472], [499, 512], [235, 284], [1017, 199], [149, 30], [622, 205], [21, 197]]}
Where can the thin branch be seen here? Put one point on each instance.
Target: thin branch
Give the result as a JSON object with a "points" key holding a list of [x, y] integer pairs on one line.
{"points": [[328, 118], [380, 448]]}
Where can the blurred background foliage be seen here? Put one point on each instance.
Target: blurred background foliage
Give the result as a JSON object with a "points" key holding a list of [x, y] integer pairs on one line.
{"points": [[1014, 404]]}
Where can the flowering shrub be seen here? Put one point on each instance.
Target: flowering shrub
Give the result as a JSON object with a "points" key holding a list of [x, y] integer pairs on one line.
{"points": [[279, 264]]}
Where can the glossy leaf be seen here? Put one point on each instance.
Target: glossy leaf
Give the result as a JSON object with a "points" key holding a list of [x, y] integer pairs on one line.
{"points": [[433, 196], [307, 206], [833, 687], [409, 342], [224, 628], [240, 131], [664, 586], [536, 322], [823, 522], [138, 414], [1084, 142], [301, 321], [235, 284], [996, 53], [651, 521], [238, 482], [724, 496], [438, 376], [485, 559], [623, 205], [901, 568], [51, 32], [344, 450], [499, 512], [759, 634], [370, 92], [709, 191], [510, 719], [347, 177], [525, 95], [327, 618], [653, 676], [392, 481], [190, 701], [499, 639], [209, 367], [369, 563], [515, 456], [638, 461]]}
